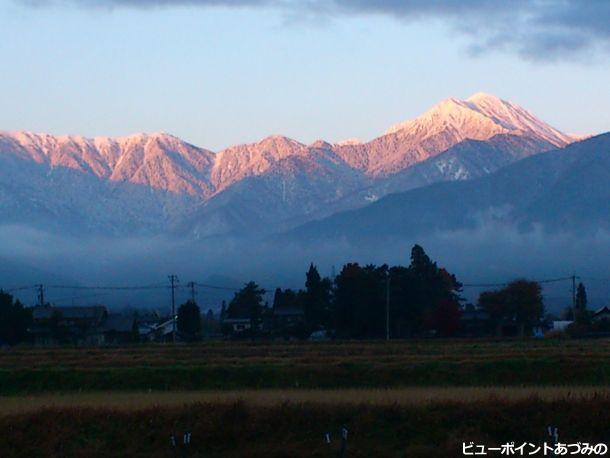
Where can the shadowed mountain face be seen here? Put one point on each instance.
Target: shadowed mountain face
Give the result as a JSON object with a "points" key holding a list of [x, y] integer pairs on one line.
{"points": [[64, 200], [464, 161], [562, 190], [159, 184]]}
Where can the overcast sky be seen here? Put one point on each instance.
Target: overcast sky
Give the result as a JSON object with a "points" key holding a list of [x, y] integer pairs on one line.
{"points": [[221, 72]]}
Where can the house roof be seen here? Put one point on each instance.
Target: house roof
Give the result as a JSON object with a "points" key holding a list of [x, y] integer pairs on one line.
{"points": [[165, 328], [601, 311], [95, 312], [149, 317], [118, 323]]}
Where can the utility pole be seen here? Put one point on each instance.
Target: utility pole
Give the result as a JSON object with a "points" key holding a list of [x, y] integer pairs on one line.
{"points": [[192, 286], [173, 279], [574, 296], [41, 295], [387, 307]]}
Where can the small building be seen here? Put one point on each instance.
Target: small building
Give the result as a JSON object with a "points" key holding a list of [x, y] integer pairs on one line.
{"points": [[120, 329], [602, 314], [90, 325], [288, 316], [159, 330], [164, 331], [75, 325], [321, 335], [147, 323], [561, 325], [474, 322], [236, 326], [288, 322]]}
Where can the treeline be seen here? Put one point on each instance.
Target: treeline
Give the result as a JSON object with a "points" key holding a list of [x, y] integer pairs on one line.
{"points": [[362, 302], [15, 319], [370, 302]]}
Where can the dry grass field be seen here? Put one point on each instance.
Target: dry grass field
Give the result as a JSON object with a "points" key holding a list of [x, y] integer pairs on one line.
{"points": [[303, 353], [262, 399], [415, 396], [261, 427], [299, 365]]}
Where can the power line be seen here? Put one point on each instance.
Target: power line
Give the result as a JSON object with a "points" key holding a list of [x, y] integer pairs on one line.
{"points": [[595, 279], [491, 285], [483, 285], [65, 299], [225, 288], [555, 280], [192, 285], [113, 288], [19, 288]]}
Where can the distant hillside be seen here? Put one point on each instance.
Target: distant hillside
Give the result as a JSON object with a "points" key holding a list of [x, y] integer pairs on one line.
{"points": [[562, 190]]}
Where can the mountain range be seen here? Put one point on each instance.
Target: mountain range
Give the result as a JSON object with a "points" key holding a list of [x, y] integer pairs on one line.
{"points": [[560, 191], [159, 184]]}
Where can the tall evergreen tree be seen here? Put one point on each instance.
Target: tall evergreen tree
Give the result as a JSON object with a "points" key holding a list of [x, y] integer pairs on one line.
{"points": [[189, 321], [278, 299], [427, 293], [580, 313], [223, 311], [359, 302], [14, 320], [317, 299], [248, 303], [421, 263]]}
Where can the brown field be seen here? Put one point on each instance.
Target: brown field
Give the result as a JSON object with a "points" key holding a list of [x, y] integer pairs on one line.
{"points": [[379, 353], [296, 429], [415, 396], [301, 365], [262, 399]]}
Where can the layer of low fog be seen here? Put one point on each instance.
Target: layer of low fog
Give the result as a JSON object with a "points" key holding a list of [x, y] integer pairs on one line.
{"points": [[488, 255]]}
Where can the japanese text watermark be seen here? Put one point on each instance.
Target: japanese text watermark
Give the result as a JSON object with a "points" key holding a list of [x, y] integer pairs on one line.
{"points": [[531, 449]]}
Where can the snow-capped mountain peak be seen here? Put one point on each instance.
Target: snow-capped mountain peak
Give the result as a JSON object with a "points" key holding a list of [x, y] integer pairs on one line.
{"points": [[151, 176], [516, 119], [480, 117], [483, 97]]}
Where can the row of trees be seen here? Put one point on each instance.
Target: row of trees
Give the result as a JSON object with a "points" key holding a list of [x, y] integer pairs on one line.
{"points": [[519, 303], [419, 299], [422, 297]]}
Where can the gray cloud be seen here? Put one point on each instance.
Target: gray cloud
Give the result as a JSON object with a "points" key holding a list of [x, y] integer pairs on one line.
{"points": [[539, 30], [150, 3]]}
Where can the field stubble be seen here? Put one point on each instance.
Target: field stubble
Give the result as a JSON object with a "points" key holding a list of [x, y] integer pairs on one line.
{"points": [[406, 398]]}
